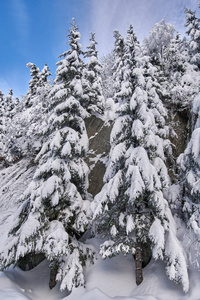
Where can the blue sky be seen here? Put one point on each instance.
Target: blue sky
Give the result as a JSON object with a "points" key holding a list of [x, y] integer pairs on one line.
{"points": [[35, 30]]}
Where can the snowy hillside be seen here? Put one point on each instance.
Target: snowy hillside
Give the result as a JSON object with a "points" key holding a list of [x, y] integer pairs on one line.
{"points": [[14, 181], [106, 280], [100, 172]]}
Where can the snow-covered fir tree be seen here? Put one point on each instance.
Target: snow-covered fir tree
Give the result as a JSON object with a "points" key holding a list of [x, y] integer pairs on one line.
{"points": [[125, 62], [9, 104], [94, 100], [177, 55], [54, 210], [24, 134], [193, 30], [36, 115], [9, 111], [189, 160], [1, 110], [33, 83], [2, 125], [44, 74], [131, 210], [107, 62], [183, 76], [189, 180], [131, 51], [118, 51], [70, 70], [158, 42]]}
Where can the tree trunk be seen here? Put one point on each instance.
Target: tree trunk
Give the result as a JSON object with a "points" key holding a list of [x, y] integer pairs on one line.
{"points": [[138, 262], [52, 279]]}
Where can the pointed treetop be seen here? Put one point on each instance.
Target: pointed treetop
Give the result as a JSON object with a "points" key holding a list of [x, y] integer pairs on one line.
{"points": [[92, 48], [44, 74], [119, 44], [10, 92], [74, 26], [131, 36]]}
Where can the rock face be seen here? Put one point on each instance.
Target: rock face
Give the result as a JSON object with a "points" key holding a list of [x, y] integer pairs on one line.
{"points": [[99, 147], [180, 122], [180, 125]]}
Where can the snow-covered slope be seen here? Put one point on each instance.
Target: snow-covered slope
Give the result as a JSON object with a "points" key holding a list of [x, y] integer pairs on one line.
{"points": [[17, 284], [106, 279], [14, 180]]}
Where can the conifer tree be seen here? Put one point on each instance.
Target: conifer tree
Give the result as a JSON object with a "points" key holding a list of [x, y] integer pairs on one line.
{"points": [[193, 25], [24, 132], [33, 83], [54, 211], [176, 55], [38, 109], [118, 51], [92, 83], [126, 52], [107, 63], [189, 197], [9, 104], [1, 110], [2, 125], [158, 42], [9, 112], [44, 74], [177, 68], [70, 68], [131, 209]]}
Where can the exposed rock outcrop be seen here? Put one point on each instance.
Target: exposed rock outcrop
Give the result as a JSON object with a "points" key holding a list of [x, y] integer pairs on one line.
{"points": [[99, 146]]}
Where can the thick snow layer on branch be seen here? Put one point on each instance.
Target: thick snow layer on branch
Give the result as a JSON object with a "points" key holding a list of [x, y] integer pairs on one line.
{"points": [[130, 225], [117, 153], [116, 133], [137, 129], [157, 236], [49, 187], [30, 227], [139, 97], [138, 156], [56, 141], [177, 267], [56, 239], [66, 149], [194, 144], [137, 184], [196, 104]]}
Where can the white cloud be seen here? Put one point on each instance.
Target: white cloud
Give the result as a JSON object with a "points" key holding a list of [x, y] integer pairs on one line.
{"points": [[21, 17], [108, 15]]}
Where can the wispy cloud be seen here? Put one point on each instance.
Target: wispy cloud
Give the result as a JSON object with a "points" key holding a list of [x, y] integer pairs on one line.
{"points": [[20, 17], [108, 15], [176, 14], [119, 14]]}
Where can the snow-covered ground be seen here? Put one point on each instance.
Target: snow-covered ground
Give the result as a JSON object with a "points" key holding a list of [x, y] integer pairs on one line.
{"points": [[105, 280]]}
